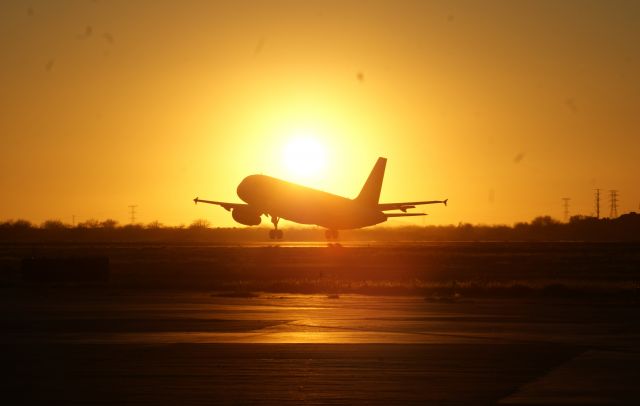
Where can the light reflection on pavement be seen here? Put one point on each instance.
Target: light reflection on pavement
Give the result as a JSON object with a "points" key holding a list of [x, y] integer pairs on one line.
{"points": [[269, 318], [194, 348]]}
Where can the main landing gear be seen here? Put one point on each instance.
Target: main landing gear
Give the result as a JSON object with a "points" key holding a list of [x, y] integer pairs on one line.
{"points": [[275, 234], [331, 234]]}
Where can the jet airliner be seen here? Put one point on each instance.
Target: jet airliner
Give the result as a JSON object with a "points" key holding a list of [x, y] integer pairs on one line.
{"points": [[275, 198]]}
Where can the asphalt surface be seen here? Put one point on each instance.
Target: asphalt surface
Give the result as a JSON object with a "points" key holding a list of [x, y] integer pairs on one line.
{"points": [[100, 346]]}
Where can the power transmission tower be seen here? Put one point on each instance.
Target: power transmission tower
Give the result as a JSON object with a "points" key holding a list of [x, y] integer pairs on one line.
{"points": [[565, 203], [597, 203], [613, 200], [132, 209]]}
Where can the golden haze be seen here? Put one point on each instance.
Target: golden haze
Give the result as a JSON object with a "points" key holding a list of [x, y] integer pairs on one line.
{"points": [[502, 107]]}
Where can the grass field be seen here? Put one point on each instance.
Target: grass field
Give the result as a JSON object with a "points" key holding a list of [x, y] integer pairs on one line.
{"points": [[437, 271]]}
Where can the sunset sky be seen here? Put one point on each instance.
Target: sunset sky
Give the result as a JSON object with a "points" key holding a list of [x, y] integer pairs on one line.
{"points": [[502, 107]]}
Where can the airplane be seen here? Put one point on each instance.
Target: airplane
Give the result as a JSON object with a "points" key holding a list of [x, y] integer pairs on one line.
{"points": [[279, 199]]}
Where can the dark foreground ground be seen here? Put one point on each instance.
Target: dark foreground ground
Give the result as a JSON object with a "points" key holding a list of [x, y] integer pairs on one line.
{"points": [[564, 331]]}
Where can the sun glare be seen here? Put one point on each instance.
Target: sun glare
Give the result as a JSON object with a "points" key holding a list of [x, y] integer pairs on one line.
{"points": [[304, 156]]}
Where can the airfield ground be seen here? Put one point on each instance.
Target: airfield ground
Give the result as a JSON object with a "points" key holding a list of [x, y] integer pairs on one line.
{"points": [[437, 324]]}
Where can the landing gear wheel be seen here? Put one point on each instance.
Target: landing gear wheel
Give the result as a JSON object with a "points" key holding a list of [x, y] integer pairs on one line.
{"points": [[331, 234], [275, 234]]}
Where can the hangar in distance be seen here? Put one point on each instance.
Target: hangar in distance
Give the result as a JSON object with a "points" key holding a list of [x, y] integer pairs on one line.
{"points": [[277, 199]]}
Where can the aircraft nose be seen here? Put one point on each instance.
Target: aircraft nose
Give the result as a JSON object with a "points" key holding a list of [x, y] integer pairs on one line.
{"points": [[245, 188]]}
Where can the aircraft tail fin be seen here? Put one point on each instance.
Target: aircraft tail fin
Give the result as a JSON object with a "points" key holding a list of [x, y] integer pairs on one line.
{"points": [[370, 193]]}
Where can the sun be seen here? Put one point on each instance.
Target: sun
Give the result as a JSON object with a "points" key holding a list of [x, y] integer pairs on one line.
{"points": [[304, 156]]}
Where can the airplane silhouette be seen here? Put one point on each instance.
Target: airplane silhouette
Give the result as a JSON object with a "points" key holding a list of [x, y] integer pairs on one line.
{"points": [[275, 198]]}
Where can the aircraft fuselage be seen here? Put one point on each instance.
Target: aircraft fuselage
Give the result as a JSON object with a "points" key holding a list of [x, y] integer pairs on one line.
{"points": [[305, 205]]}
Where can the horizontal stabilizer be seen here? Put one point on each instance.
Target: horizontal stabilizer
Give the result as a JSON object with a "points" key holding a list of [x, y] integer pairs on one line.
{"points": [[408, 205], [404, 214]]}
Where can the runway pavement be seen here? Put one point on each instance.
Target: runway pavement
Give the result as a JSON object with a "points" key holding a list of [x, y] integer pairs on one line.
{"points": [[127, 347]]}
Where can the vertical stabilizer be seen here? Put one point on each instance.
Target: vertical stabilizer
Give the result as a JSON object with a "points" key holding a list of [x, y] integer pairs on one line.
{"points": [[370, 193]]}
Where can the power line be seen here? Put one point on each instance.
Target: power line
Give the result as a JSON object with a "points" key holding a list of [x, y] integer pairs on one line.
{"points": [[597, 203], [565, 203], [613, 201], [132, 209]]}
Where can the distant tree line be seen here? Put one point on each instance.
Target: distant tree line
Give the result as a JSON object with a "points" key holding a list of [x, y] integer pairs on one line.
{"points": [[545, 228]]}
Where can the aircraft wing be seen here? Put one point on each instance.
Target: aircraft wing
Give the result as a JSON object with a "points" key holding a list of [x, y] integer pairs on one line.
{"points": [[408, 205], [225, 205]]}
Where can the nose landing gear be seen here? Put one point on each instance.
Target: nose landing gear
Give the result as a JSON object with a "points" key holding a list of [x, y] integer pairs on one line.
{"points": [[275, 234]]}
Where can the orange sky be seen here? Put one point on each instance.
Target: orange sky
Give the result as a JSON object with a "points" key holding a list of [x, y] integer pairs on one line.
{"points": [[502, 107]]}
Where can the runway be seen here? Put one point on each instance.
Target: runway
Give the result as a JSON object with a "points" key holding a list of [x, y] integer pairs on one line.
{"points": [[138, 348]]}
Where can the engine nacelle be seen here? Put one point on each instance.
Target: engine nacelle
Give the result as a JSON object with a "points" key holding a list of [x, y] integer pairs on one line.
{"points": [[246, 216]]}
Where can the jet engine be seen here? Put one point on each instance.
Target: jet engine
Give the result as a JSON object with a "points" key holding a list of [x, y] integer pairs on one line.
{"points": [[246, 215]]}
